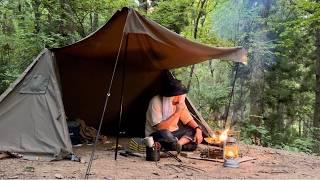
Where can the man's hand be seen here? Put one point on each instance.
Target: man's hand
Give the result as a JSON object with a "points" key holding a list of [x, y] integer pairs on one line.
{"points": [[198, 136]]}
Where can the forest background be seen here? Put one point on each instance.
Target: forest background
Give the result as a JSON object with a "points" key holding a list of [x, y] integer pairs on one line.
{"points": [[276, 97]]}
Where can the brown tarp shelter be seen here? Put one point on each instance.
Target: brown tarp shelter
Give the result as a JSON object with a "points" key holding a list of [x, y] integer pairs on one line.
{"points": [[73, 81]]}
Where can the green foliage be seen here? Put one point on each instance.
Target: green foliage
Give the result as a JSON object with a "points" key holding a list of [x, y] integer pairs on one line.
{"points": [[303, 144], [287, 140], [208, 91], [28, 26], [248, 130], [163, 14], [281, 45]]}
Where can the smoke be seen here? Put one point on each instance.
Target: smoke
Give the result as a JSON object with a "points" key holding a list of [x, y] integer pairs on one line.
{"points": [[245, 23]]}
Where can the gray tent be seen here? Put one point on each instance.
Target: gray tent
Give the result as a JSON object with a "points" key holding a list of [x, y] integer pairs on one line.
{"points": [[73, 81]]}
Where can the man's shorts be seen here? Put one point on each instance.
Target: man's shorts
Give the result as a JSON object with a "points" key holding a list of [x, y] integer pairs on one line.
{"points": [[169, 139]]}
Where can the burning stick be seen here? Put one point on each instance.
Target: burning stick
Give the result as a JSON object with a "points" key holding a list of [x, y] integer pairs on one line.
{"points": [[224, 135], [217, 137]]}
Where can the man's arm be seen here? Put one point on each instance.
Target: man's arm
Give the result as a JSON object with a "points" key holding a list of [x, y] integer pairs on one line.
{"points": [[193, 124], [172, 120], [166, 124], [198, 135]]}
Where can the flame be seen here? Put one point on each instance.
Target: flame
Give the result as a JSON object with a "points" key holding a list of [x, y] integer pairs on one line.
{"points": [[213, 135], [231, 151], [224, 135], [217, 137], [230, 154]]}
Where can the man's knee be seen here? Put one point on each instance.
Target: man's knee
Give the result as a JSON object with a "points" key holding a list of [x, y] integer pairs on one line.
{"points": [[163, 135], [190, 146]]}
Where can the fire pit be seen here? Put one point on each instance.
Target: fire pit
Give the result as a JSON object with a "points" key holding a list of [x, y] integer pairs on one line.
{"points": [[218, 137], [223, 147]]}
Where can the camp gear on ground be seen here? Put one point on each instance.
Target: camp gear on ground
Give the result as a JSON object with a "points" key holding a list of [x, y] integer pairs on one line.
{"points": [[137, 144], [127, 153], [88, 134], [74, 132], [73, 157], [153, 153], [148, 141]]}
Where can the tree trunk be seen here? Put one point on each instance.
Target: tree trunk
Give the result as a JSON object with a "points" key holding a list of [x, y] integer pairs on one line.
{"points": [[63, 16], [242, 100], [78, 19], [195, 34], [91, 21], [200, 14], [144, 5], [37, 14], [316, 120], [211, 68], [305, 128], [190, 76], [256, 88], [95, 21], [300, 128], [257, 71]]}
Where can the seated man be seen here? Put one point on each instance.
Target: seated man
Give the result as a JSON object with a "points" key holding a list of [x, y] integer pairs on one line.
{"points": [[169, 121]]}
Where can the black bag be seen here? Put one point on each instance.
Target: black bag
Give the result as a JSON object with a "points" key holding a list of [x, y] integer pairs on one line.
{"points": [[74, 132]]}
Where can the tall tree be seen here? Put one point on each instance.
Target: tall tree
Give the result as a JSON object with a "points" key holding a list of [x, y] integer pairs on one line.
{"points": [[258, 59], [200, 13], [316, 121]]}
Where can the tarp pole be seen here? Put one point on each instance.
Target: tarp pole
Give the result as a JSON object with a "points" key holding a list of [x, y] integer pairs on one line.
{"points": [[105, 103], [231, 95], [121, 99]]}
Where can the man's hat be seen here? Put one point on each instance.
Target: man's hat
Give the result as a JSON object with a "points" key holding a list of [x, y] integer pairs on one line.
{"points": [[173, 87]]}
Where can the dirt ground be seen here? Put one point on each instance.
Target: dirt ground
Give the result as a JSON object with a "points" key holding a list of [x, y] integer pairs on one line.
{"points": [[270, 163]]}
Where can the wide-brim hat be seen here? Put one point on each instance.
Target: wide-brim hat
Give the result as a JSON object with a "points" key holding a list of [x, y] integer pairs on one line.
{"points": [[174, 87]]}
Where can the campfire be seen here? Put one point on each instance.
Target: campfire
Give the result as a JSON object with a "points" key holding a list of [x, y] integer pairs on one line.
{"points": [[217, 137]]}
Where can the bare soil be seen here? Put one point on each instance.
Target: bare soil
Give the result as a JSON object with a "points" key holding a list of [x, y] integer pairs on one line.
{"points": [[270, 163]]}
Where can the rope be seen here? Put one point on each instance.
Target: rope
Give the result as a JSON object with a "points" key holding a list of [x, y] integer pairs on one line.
{"points": [[104, 109]]}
